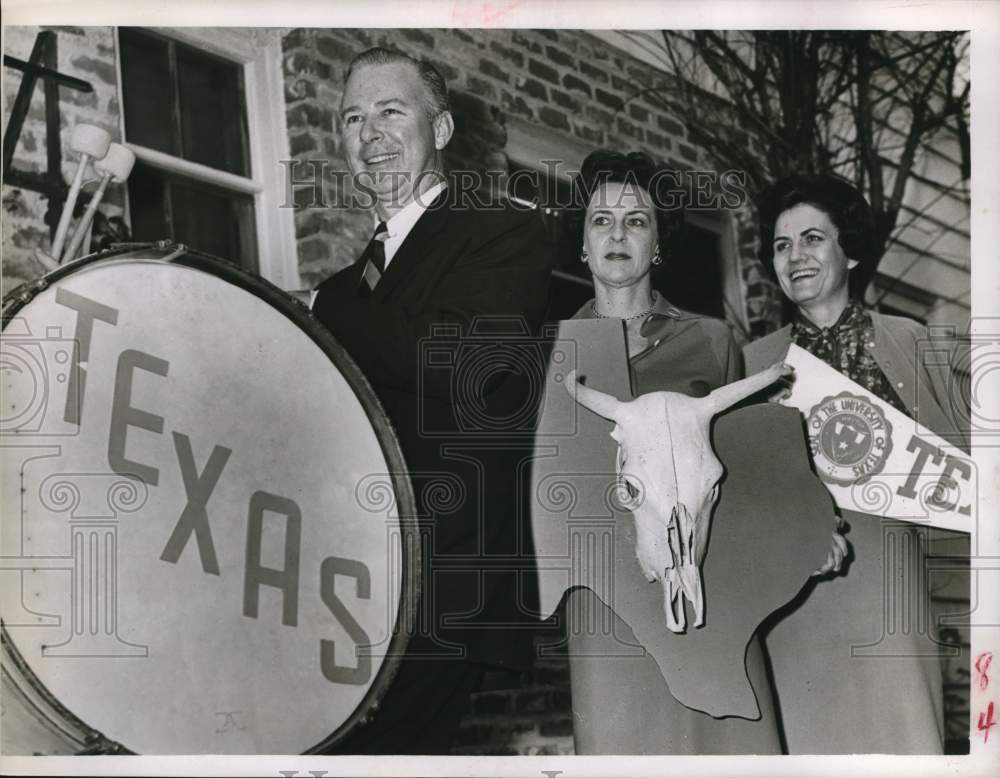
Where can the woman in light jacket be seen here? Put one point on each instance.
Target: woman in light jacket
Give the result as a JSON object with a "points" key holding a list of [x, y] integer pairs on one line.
{"points": [[847, 679]]}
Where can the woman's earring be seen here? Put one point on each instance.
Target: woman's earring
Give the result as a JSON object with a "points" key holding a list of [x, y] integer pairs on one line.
{"points": [[584, 256], [656, 257]]}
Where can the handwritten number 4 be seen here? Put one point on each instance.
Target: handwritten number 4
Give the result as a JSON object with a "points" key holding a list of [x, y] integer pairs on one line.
{"points": [[986, 721]]}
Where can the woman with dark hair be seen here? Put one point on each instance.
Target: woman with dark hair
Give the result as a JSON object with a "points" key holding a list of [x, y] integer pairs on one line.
{"points": [[847, 680], [621, 233], [622, 703]]}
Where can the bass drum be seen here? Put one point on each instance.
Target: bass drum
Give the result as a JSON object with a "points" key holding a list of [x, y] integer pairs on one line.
{"points": [[207, 526]]}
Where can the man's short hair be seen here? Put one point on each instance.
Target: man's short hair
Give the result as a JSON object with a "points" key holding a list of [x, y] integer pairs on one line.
{"points": [[437, 89]]}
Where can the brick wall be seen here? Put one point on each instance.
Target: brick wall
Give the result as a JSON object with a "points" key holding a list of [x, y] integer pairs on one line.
{"points": [[528, 715], [84, 52]]}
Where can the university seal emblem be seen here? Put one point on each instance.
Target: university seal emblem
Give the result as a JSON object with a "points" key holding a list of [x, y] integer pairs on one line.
{"points": [[850, 438]]}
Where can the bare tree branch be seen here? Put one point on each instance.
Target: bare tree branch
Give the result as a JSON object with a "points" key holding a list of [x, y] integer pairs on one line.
{"points": [[779, 102]]}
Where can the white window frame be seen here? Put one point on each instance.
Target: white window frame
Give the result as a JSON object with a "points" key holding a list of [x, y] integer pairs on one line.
{"points": [[259, 52]]}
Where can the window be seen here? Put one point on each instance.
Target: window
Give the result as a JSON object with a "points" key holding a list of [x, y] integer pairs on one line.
{"points": [[541, 163], [692, 275], [571, 285], [208, 218], [203, 110]]}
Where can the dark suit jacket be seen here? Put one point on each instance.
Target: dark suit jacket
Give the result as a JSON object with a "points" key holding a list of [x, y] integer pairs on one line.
{"points": [[448, 398]]}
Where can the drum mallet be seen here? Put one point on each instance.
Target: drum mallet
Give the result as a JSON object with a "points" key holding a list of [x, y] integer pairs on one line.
{"points": [[89, 142], [115, 166]]}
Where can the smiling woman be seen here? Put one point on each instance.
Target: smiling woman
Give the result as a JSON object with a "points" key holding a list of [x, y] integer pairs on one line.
{"points": [[810, 263], [817, 241]]}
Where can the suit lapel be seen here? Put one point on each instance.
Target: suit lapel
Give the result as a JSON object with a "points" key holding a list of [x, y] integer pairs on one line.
{"points": [[418, 245]]}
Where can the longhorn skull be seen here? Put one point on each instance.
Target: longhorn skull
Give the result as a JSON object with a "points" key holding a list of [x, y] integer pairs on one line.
{"points": [[668, 477]]}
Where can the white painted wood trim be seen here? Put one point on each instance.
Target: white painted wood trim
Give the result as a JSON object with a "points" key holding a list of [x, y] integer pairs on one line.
{"points": [[194, 170], [259, 51], [531, 144]]}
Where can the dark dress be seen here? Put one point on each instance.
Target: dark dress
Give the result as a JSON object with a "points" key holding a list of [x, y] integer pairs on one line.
{"points": [[692, 355]]}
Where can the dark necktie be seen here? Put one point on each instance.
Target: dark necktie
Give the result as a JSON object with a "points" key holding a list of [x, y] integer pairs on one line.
{"points": [[375, 265]]}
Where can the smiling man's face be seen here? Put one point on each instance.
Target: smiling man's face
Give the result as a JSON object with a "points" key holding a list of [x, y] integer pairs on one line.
{"points": [[390, 138]]}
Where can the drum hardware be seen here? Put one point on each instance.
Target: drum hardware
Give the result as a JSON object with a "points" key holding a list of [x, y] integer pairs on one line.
{"points": [[22, 294], [179, 249], [84, 740]]}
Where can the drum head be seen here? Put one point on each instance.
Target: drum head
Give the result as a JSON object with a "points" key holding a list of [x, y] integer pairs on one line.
{"points": [[206, 538]]}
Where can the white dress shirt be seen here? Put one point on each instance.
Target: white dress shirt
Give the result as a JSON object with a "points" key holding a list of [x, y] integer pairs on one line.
{"points": [[402, 222]]}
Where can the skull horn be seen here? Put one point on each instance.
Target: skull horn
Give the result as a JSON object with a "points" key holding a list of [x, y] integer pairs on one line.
{"points": [[730, 394], [600, 403]]}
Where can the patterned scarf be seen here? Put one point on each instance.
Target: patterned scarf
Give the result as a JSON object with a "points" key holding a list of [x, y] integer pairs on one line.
{"points": [[843, 346]]}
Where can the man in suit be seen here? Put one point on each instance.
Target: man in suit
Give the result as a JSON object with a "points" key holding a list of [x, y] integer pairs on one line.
{"points": [[436, 262]]}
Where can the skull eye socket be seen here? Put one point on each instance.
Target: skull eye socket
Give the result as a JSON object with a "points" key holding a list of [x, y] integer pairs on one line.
{"points": [[629, 492]]}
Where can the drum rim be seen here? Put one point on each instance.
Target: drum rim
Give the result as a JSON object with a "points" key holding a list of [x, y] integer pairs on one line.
{"points": [[387, 437], [90, 739]]}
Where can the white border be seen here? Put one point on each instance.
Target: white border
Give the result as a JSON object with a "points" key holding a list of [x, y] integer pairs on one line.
{"points": [[576, 14]]}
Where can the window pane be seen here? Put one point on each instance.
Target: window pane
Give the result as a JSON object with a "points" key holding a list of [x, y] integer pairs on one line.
{"points": [[692, 274], [203, 217], [213, 127], [147, 91], [147, 206], [214, 221], [184, 102]]}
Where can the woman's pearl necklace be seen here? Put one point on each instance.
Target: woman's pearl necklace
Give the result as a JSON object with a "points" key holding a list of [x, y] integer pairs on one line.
{"points": [[599, 315]]}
